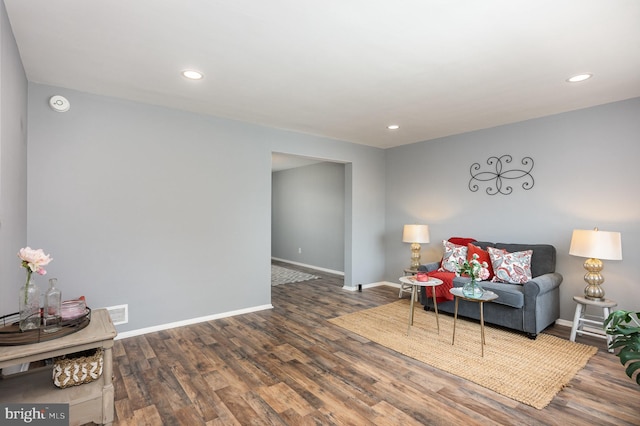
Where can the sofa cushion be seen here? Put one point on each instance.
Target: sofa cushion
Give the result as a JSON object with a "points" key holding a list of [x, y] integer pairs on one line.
{"points": [[511, 295], [508, 294], [514, 268], [543, 259]]}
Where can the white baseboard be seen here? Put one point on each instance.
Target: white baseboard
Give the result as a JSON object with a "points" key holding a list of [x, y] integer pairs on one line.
{"points": [[355, 288], [564, 323], [317, 268], [390, 284], [167, 326]]}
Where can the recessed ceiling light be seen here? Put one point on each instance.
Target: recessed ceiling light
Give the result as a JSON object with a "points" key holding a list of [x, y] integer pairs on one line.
{"points": [[192, 74], [579, 77], [393, 127]]}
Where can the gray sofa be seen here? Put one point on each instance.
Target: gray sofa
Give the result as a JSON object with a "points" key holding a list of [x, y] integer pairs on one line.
{"points": [[529, 308]]}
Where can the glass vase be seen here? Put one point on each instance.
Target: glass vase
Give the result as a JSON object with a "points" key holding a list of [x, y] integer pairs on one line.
{"points": [[472, 289], [52, 310], [29, 302]]}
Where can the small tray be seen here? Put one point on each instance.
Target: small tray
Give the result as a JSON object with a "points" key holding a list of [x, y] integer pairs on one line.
{"points": [[11, 335]]}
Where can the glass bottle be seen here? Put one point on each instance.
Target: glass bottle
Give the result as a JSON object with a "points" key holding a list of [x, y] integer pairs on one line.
{"points": [[52, 315], [29, 305]]}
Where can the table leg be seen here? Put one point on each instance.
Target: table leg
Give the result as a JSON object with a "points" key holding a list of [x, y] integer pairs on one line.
{"points": [[413, 298], [608, 336], [455, 317], [482, 327], [576, 322], [435, 306], [107, 388]]}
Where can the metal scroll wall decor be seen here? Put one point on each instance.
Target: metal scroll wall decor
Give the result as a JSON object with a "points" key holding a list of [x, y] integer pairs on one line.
{"points": [[499, 174]]}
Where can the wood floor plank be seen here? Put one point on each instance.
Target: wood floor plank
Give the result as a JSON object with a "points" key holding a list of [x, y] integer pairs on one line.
{"points": [[388, 415], [290, 366], [123, 409], [165, 393], [238, 406], [264, 410], [281, 398], [135, 390], [148, 416], [197, 390]]}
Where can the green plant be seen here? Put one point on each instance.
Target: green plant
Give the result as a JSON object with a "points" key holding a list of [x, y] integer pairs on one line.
{"points": [[626, 335]]}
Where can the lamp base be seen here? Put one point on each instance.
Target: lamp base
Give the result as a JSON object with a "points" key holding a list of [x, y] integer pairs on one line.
{"points": [[593, 291], [415, 256]]}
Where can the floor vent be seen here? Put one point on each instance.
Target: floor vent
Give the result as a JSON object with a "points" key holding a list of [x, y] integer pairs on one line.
{"points": [[119, 314]]}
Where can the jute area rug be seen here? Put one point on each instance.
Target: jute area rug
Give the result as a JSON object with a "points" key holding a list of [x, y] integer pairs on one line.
{"points": [[280, 275], [528, 371]]}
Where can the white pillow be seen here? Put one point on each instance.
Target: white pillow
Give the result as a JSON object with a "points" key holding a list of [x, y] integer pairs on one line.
{"points": [[454, 255], [513, 268]]}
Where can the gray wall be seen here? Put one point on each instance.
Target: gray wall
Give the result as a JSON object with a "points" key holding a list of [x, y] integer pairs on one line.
{"points": [[586, 174], [308, 208], [13, 167], [170, 211]]}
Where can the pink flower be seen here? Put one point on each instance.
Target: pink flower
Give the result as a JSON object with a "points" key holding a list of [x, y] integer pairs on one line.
{"points": [[484, 274], [34, 260]]}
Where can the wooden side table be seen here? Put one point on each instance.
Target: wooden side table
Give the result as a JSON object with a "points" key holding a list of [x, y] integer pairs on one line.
{"points": [[487, 296], [580, 318], [90, 402]]}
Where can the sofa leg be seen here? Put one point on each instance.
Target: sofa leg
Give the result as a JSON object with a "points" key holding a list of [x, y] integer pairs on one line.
{"points": [[532, 336]]}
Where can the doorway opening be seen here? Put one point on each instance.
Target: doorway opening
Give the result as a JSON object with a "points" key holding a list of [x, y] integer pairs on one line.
{"points": [[311, 213]]}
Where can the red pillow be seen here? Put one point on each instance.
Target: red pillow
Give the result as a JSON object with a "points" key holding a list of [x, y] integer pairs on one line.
{"points": [[483, 256], [461, 241]]}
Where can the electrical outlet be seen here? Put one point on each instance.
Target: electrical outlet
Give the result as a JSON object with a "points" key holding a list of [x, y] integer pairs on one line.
{"points": [[119, 314], [299, 250]]}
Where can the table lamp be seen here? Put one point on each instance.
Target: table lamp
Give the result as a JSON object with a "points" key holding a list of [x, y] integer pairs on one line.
{"points": [[595, 245], [415, 234]]}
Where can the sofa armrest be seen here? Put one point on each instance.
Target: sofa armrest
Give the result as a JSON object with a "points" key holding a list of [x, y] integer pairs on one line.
{"points": [[541, 302], [429, 267], [542, 284]]}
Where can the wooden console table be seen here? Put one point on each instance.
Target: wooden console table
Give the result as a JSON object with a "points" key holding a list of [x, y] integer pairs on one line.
{"points": [[90, 402]]}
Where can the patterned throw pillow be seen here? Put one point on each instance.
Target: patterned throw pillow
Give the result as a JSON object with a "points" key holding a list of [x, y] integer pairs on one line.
{"points": [[453, 255], [513, 268]]}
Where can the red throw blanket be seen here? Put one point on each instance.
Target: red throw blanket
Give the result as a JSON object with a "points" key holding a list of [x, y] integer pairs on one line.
{"points": [[442, 291]]}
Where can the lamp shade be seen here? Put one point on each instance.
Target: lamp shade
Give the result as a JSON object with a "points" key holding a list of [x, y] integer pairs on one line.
{"points": [[596, 244], [415, 234]]}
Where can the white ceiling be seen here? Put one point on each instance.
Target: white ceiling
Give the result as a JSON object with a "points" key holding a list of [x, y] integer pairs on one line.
{"points": [[344, 69]]}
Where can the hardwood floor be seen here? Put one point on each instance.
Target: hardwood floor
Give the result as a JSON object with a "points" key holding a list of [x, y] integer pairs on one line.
{"points": [[289, 366]]}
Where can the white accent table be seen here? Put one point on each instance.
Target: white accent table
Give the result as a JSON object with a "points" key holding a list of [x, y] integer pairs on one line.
{"points": [[406, 288], [415, 284], [580, 318], [487, 296]]}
